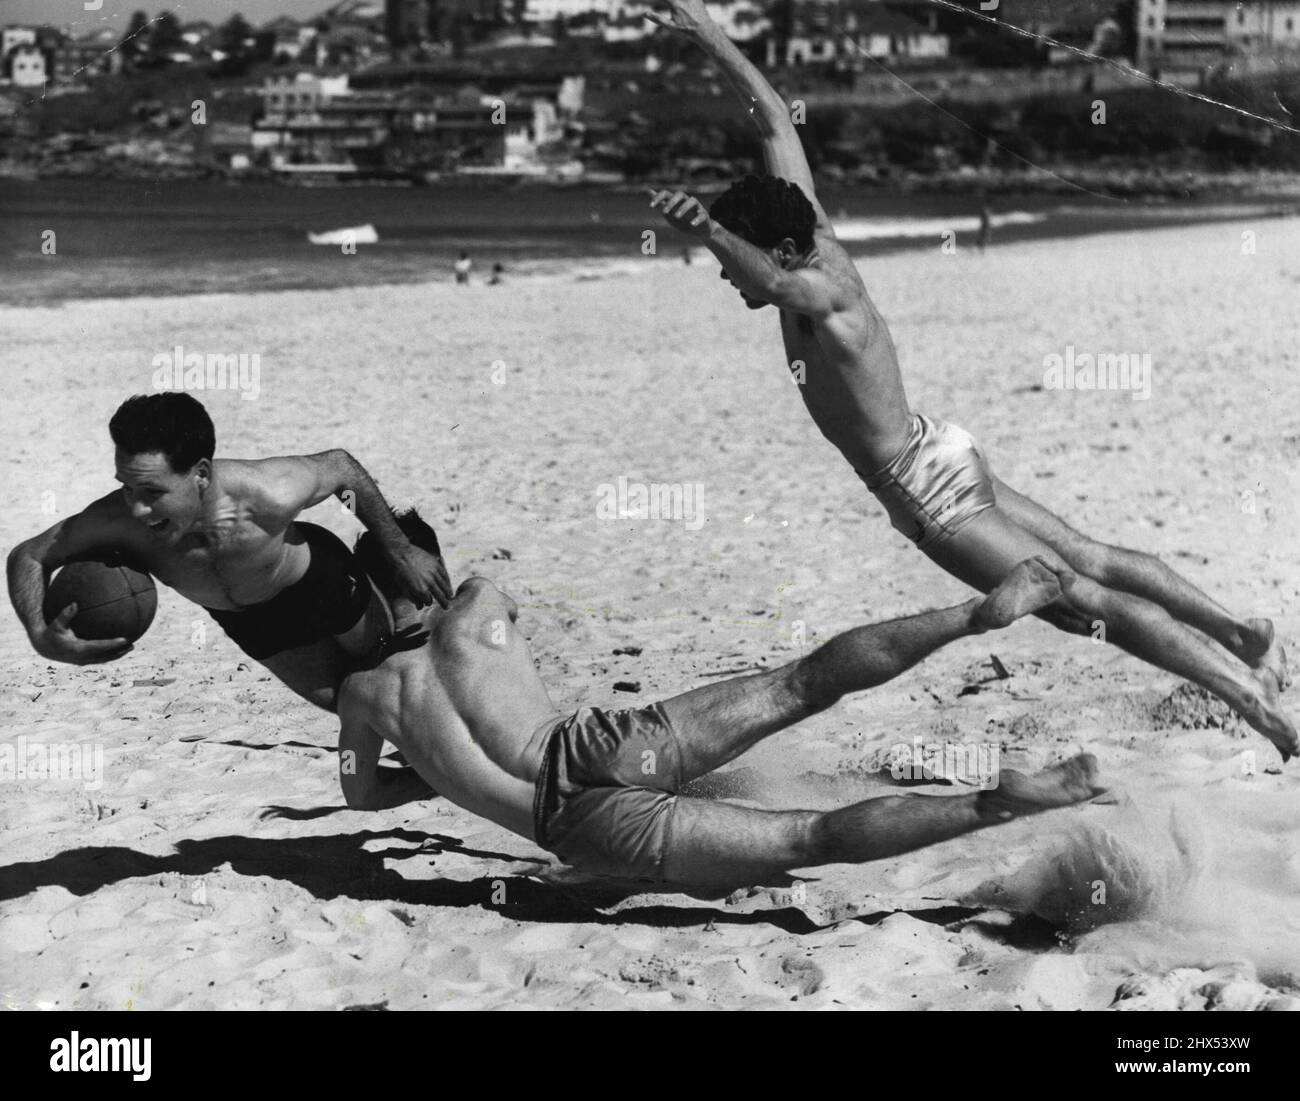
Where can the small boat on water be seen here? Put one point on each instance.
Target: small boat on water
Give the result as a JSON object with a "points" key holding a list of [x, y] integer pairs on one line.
{"points": [[351, 235]]}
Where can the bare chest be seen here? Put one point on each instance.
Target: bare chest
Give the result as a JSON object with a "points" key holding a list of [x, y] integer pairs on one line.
{"points": [[230, 567], [816, 375]]}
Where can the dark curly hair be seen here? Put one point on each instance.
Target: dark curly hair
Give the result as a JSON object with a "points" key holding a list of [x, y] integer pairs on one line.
{"points": [[765, 210], [175, 424], [374, 561]]}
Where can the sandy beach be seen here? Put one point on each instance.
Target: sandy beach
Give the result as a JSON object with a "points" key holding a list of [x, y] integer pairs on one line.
{"points": [[214, 865]]}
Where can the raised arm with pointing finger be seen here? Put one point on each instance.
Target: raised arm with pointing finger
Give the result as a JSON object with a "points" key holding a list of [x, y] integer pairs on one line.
{"points": [[769, 263], [782, 150]]}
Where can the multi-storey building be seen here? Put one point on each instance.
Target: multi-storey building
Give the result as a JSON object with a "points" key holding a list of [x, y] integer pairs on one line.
{"points": [[81, 59], [406, 21], [547, 11], [322, 121], [1182, 38], [740, 20], [847, 31]]}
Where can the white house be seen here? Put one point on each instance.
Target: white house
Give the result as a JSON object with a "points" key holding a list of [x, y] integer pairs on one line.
{"points": [[13, 37], [1189, 35], [27, 68], [523, 139], [546, 11], [301, 95], [289, 37], [1252, 25], [740, 20], [823, 31], [623, 20], [197, 34], [571, 95], [626, 27]]}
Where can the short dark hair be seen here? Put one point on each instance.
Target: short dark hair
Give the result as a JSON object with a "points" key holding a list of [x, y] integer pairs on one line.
{"points": [[372, 559], [173, 423], [765, 210]]}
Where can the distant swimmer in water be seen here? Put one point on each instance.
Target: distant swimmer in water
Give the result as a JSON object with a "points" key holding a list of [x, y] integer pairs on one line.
{"points": [[462, 267], [777, 247]]}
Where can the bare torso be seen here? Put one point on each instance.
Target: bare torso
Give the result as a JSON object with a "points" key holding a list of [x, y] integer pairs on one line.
{"points": [[851, 382], [244, 555], [467, 711]]}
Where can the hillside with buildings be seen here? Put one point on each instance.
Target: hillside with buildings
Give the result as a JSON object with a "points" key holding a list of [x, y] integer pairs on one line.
{"points": [[590, 90]]}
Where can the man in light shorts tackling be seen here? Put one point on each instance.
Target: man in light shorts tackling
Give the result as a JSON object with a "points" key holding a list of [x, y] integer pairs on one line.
{"points": [[777, 247], [224, 533], [598, 788]]}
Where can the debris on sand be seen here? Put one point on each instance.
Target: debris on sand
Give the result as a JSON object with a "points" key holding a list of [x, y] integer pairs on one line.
{"points": [[1191, 707], [1227, 987]]}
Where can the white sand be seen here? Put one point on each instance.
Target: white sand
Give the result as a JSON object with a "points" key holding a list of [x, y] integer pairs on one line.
{"points": [[168, 886]]}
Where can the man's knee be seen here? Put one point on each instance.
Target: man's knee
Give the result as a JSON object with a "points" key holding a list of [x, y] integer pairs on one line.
{"points": [[1086, 556], [313, 672], [1110, 565], [1099, 610], [818, 841], [810, 684], [1069, 618], [1085, 603]]}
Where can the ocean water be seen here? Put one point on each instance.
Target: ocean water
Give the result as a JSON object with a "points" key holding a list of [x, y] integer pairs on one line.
{"points": [[73, 239]]}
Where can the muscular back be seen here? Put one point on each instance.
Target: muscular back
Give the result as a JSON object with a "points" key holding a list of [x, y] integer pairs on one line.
{"points": [[467, 710]]}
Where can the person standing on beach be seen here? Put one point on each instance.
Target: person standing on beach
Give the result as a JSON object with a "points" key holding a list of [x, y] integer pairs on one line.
{"points": [[777, 247], [462, 267], [224, 534], [985, 237]]}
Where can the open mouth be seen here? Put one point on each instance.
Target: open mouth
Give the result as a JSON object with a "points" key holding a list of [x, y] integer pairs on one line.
{"points": [[159, 526]]}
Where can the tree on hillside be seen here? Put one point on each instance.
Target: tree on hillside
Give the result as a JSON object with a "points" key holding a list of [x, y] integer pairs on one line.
{"points": [[165, 36], [232, 40], [135, 42], [233, 36]]}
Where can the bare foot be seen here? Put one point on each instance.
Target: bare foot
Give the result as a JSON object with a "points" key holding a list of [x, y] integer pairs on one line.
{"points": [[1029, 586], [1263, 653], [1265, 714], [1062, 785]]}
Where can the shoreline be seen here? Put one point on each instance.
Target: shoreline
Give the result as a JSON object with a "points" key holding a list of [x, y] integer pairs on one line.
{"points": [[1121, 181], [408, 264]]}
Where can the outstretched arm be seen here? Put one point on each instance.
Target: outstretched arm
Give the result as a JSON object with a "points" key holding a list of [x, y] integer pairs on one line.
{"points": [[752, 271], [294, 483], [101, 526], [782, 150], [366, 785]]}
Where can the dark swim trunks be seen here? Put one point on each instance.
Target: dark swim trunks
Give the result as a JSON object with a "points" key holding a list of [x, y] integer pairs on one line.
{"points": [[606, 791], [329, 599]]}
